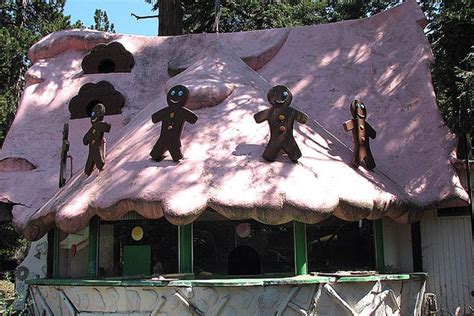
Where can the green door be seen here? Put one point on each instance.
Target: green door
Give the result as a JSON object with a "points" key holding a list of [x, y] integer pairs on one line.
{"points": [[136, 260]]}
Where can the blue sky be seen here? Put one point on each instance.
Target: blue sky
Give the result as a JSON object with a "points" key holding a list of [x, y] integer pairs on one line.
{"points": [[118, 12]]}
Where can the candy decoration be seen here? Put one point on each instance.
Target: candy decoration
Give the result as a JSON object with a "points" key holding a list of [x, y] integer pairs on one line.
{"points": [[172, 120], [95, 139], [361, 131], [281, 118]]}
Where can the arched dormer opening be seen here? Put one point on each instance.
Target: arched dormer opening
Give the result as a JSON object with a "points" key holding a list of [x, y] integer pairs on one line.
{"points": [[108, 58], [90, 94]]}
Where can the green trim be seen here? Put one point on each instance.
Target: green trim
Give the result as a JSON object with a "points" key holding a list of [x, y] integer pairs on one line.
{"points": [[49, 257], [232, 282], [55, 256], [379, 251], [185, 245], [93, 263], [242, 282], [301, 257]]}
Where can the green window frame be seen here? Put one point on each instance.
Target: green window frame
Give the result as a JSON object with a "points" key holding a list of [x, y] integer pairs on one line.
{"points": [[185, 250]]}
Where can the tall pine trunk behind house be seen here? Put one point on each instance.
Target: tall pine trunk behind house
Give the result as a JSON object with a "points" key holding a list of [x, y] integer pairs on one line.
{"points": [[170, 17]]}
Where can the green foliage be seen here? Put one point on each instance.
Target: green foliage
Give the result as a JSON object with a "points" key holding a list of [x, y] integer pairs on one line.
{"points": [[356, 9], [102, 23], [235, 16], [8, 295], [465, 86], [12, 244], [198, 15], [247, 16], [13, 40], [22, 23], [452, 38], [6, 306]]}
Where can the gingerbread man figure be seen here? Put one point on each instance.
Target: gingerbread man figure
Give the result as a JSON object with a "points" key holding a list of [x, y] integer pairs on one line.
{"points": [[361, 131], [95, 139], [281, 117], [172, 120]]}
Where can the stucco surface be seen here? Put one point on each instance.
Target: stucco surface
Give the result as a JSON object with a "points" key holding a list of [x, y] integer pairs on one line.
{"points": [[327, 298], [384, 60]]}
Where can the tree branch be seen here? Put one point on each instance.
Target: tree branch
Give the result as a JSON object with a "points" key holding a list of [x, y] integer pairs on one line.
{"points": [[143, 17]]}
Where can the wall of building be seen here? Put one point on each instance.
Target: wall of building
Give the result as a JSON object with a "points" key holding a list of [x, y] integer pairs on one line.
{"points": [[447, 250], [34, 266], [397, 247]]}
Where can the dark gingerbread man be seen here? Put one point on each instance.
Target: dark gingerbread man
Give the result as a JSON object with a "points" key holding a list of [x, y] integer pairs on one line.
{"points": [[95, 139], [172, 120], [281, 117], [361, 131]]}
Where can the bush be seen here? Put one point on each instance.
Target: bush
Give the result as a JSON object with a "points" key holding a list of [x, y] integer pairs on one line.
{"points": [[12, 247], [7, 294]]}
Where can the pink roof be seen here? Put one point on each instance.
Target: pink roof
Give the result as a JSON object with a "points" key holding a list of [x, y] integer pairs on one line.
{"points": [[384, 60]]}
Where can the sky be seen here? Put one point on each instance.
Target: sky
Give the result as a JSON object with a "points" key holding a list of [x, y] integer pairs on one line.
{"points": [[118, 12]]}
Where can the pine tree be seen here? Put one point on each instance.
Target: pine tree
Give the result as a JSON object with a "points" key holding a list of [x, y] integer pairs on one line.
{"points": [[452, 37], [22, 23], [102, 23]]}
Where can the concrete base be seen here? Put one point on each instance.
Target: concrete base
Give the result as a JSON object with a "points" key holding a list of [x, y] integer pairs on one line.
{"points": [[304, 295]]}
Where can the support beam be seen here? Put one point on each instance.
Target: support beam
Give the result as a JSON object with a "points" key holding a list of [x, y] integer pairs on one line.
{"points": [[416, 247], [468, 144], [93, 247], [379, 251], [301, 257], [49, 257], [55, 255], [185, 241]]}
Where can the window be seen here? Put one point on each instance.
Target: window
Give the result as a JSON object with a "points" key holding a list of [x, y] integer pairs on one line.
{"points": [[335, 245], [247, 247], [73, 254], [136, 246]]}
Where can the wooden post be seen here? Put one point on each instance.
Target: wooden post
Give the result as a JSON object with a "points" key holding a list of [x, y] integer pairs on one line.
{"points": [[379, 251], [301, 258], [469, 141], [185, 244], [55, 256], [416, 247], [93, 246]]}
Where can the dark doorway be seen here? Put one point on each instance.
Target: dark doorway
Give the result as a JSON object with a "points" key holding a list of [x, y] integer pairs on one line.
{"points": [[241, 247], [244, 260]]}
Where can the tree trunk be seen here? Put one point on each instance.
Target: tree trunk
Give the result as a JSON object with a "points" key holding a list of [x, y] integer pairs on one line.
{"points": [[170, 18]]}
